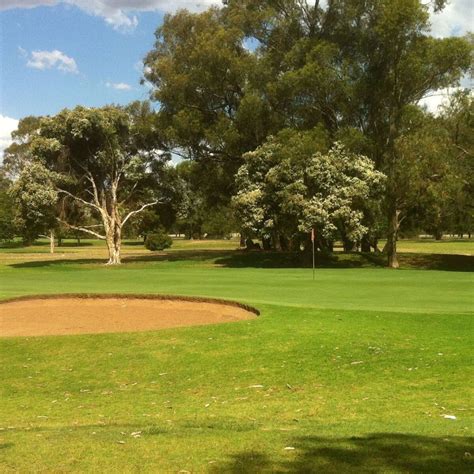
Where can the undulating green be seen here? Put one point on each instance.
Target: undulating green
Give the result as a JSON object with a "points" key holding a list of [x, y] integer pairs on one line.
{"points": [[360, 370]]}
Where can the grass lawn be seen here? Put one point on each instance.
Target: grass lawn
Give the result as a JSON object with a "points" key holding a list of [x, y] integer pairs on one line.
{"points": [[357, 371]]}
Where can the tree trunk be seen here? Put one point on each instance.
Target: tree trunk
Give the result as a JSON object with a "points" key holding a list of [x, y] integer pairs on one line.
{"points": [[276, 241], [114, 244], [365, 244], [391, 246], [348, 245], [284, 243], [51, 241], [266, 243]]}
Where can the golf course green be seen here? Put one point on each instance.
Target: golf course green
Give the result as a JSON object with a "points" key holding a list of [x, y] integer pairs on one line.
{"points": [[363, 369]]}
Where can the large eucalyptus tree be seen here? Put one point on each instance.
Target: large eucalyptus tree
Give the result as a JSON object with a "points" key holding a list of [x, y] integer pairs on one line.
{"points": [[105, 160]]}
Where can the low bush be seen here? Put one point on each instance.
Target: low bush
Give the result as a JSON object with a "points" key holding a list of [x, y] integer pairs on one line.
{"points": [[158, 241]]}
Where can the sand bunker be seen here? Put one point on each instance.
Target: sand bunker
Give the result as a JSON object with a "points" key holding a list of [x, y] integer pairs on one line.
{"points": [[92, 315]]}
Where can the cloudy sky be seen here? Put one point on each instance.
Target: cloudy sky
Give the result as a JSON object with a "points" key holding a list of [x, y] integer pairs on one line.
{"points": [[60, 53]]}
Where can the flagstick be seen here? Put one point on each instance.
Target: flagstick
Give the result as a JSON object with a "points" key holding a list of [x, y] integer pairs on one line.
{"points": [[312, 240]]}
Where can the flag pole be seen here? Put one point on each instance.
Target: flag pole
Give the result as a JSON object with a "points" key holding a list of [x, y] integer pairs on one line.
{"points": [[312, 241]]}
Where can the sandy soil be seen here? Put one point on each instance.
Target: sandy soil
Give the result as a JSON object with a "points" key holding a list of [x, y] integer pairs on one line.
{"points": [[37, 317]]}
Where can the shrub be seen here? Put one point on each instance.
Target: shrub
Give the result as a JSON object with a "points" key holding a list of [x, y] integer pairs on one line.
{"points": [[158, 241]]}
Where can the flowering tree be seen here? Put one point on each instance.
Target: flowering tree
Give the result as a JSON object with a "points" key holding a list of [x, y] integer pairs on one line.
{"points": [[291, 184]]}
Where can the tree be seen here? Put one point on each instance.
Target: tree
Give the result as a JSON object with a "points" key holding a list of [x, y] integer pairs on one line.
{"points": [[202, 77], [7, 228], [425, 174], [396, 63], [291, 185], [35, 197], [349, 65], [105, 160], [18, 154], [457, 117]]}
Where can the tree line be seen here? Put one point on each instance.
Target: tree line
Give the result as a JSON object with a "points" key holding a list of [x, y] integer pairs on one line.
{"points": [[289, 116]]}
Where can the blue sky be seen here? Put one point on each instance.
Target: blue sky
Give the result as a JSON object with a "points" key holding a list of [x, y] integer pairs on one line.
{"points": [[103, 56], [60, 53]]}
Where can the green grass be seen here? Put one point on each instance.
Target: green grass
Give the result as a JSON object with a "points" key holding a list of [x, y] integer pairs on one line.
{"points": [[355, 370]]}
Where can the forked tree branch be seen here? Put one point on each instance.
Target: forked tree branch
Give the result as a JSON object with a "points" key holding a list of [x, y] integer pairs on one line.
{"points": [[83, 229]]}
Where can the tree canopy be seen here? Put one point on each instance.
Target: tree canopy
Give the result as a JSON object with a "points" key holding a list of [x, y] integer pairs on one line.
{"points": [[291, 114]]}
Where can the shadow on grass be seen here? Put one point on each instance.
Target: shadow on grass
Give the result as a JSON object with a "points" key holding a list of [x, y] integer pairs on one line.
{"points": [[261, 259], [19, 245], [449, 262], [381, 452], [171, 256]]}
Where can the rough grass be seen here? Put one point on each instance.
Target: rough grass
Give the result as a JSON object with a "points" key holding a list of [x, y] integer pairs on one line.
{"points": [[355, 371]]}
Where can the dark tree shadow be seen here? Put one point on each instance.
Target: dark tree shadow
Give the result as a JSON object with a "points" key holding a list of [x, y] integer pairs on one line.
{"points": [[72, 244], [375, 453], [448, 262], [170, 256], [264, 259], [247, 462]]}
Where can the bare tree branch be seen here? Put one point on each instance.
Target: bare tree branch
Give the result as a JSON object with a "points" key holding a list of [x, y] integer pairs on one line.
{"points": [[94, 187], [131, 214], [83, 229], [77, 198]]}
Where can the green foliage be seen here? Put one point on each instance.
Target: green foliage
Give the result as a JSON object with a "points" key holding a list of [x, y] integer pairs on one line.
{"points": [[35, 196], [7, 228], [109, 164], [202, 76], [351, 67], [159, 240]]}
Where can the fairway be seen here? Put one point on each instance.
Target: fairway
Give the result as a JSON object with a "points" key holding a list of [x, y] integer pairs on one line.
{"points": [[362, 370]]}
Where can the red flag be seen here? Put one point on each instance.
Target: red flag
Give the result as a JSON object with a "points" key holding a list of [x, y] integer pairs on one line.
{"points": [[312, 234]]}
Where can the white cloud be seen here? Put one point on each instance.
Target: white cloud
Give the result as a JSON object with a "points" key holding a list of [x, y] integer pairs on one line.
{"points": [[116, 13], [435, 100], [7, 126], [120, 86], [52, 60], [8, 4], [456, 19]]}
